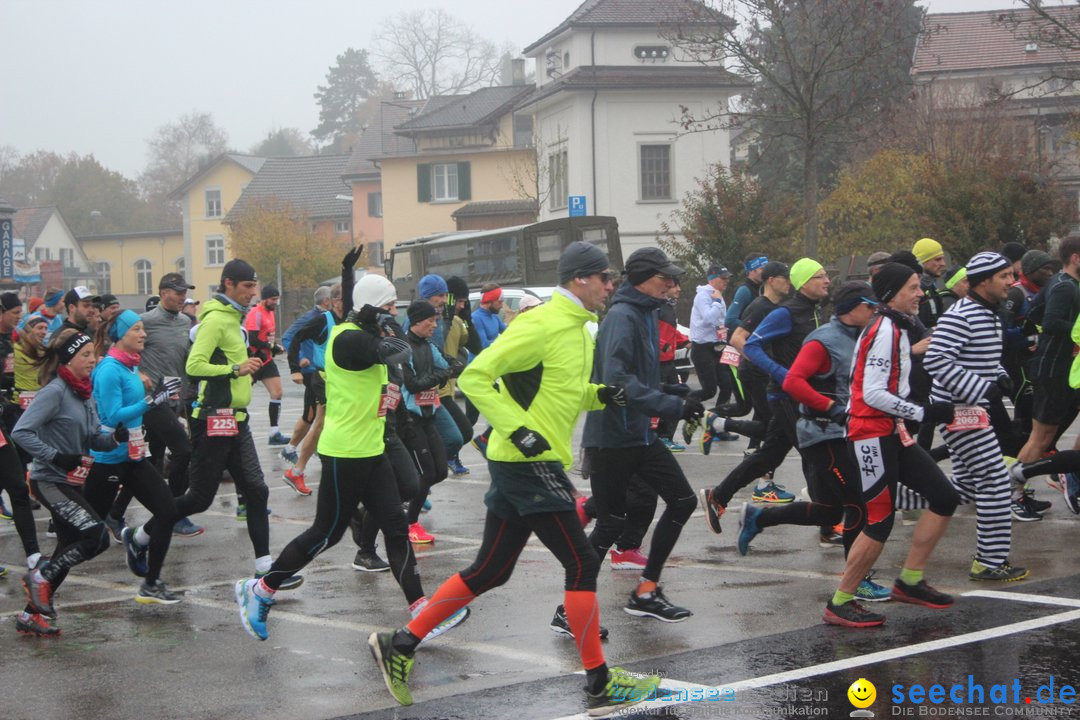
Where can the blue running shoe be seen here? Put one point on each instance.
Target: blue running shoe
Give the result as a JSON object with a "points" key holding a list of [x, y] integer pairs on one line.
{"points": [[5, 514], [748, 527], [673, 446], [707, 434], [290, 456], [1071, 490], [278, 439], [136, 553], [185, 528], [456, 467], [772, 493], [426, 507], [253, 609], [870, 591]]}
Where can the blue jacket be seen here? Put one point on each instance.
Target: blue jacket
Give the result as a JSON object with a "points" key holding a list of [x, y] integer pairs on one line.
{"points": [[307, 348], [628, 354], [488, 326], [120, 398], [743, 297]]}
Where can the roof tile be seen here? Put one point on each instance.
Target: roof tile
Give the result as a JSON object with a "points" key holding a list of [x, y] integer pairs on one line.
{"points": [[310, 184]]}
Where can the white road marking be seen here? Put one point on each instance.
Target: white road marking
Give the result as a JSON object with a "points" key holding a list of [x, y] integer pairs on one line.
{"points": [[1024, 597]]}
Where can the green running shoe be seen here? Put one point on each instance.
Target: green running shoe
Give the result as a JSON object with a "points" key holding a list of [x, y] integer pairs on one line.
{"points": [[395, 666], [622, 690]]}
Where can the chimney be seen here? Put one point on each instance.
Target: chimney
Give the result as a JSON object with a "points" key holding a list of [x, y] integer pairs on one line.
{"points": [[517, 71]]}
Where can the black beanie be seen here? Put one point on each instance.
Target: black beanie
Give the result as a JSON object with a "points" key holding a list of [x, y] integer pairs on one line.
{"points": [[457, 287], [580, 259], [420, 310], [269, 291], [890, 279], [1013, 251], [906, 257]]}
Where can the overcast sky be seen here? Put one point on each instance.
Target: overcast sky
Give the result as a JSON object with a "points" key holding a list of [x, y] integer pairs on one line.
{"points": [[101, 76]]}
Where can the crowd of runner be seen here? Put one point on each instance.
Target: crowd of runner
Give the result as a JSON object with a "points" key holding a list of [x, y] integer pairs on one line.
{"points": [[102, 405]]}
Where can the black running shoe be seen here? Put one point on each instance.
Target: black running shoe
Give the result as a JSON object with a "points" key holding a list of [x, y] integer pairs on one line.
{"points": [[156, 594], [920, 594], [655, 605], [852, 614], [713, 511], [369, 562], [559, 624]]}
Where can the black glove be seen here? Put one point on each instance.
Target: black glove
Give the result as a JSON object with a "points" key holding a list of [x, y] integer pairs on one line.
{"points": [[612, 394], [837, 414], [67, 461], [368, 315], [676, 389], [158, 398], [389, 325], [456, 368], [692, 409], [993, 393], [441, 375], [351, 257], [529, 442], [939, 413], [1008, 389], [121, 434], [276, 350]]}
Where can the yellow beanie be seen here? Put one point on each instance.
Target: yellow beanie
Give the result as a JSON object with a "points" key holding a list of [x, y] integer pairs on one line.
{"points": [[802, 271], [927, 249]]}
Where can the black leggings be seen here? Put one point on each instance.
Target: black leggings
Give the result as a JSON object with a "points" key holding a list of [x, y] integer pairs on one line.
{"points": [[347, 482], [460, 419], [163, 430], [210, 458], [429, 454], [142, 480], [640, 509], [778, 441], [13, 479], [504, 539], [80, 533], [656, 467], [364, 525], [714, 378]]}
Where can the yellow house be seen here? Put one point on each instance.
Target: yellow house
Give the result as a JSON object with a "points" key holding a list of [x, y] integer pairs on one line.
{"points": [[463, 148], [130, 264], [205, 199]]}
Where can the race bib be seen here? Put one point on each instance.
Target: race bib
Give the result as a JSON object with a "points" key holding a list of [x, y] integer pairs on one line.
{"points": [[9, 364], [25, 397], [78, 475], [969, 417], [428, 398], [905, 437], [222, 424], [137, 444], [390, 399], [730, 356]]}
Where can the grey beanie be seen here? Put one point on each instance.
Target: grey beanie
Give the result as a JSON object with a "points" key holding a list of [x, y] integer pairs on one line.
{"points": [[580, 259]]}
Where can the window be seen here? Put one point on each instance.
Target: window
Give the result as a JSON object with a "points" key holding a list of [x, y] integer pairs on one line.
{"points": [[523, 131], [558, 180], [342, 227], [213, 203], [42, 254], [67, 257], [104, 275], [443, 182], [144, 277], [374, 204], [655, 172], [375, 256], [215, 250], [180, 265]]}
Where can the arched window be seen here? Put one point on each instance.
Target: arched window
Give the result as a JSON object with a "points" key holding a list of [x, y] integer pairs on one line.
{"points": [[144, 277], [104, 277]]}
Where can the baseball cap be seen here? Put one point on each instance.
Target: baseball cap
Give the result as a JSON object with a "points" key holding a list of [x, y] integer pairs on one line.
{"points": [[643, 263], [716, 271], [109, 301], [238, 271], [174, 281], [77, 293], [152, 302], [775, 268], [190, 301]]}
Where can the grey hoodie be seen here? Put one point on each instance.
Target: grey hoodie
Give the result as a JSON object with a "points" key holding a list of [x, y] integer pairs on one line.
{"points": [[59, 421]]}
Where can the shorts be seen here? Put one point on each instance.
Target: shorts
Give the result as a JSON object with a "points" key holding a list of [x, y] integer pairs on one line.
{"points": [[1053, 401], [314, 394], [528, 488], [267, 371]]}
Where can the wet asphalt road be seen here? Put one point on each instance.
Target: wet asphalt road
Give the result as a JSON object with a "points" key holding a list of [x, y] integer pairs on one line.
{"points": [[756, 629]]}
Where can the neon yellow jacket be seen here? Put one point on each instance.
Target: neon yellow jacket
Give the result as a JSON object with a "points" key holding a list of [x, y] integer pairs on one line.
{"points": [[219, 344], [1074, 371], [543, 361]]}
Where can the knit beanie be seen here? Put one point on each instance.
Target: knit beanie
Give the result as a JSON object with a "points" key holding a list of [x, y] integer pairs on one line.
{"points": [[985, 265], [420, 310], [1013, 251], [927, 249], [580, 259], [374, 290], [432, 285], [906, 257], [458, 288], [890, 279], [954, 276], [269, 291], [802, 271]]}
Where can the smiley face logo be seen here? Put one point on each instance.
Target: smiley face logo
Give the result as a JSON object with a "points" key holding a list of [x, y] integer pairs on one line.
{"points": [[862, 693]]}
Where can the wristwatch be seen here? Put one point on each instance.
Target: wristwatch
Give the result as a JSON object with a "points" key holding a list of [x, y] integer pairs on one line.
{"points": [[236, 371]]}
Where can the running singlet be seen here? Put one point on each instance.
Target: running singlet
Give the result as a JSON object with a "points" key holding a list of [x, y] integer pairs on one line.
{"points": [[354, 426]]}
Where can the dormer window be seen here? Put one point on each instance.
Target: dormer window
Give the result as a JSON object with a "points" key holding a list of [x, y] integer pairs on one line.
{"points": [[1031, 47], [655, 53]]}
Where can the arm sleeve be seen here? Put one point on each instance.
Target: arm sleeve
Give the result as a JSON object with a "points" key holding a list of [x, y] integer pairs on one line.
{"points": [[348, 281], [940, 361], [45, 406], [742, 298], [813, 359], [355, 349], [520, 348], [877, 369], [1057, 320], [776, 324], [314, 331], [198, 361], [615, 347]]}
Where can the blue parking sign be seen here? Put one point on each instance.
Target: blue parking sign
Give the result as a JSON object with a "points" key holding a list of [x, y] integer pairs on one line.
{"points": [[577, 206]]}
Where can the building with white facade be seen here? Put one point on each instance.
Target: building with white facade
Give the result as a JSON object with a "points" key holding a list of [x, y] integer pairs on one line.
{"points": [[610, 94]]}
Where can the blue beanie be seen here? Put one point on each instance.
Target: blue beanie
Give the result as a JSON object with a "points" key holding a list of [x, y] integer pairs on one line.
{"points": [[432, 285], [122, 324]]}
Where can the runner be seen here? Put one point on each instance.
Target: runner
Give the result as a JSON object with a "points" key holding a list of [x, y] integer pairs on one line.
{"points": [[58, 430], [355, 468], [122, 403], [620, 439], [964, 361], [707, 332], [533, 415], [885, 453], [303, 368], [261, 324]]}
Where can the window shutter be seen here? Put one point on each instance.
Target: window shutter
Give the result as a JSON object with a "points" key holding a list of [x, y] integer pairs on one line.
{"points": [[464, 183], [423, 182]]}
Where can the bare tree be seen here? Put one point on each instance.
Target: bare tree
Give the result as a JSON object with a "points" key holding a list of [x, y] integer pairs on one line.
{"points": [[1054, 30], [825, 71], [177, 151], [430, 52]]}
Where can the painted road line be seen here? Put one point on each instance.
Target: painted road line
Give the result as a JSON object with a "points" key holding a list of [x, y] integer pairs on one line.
{"points": [[872, 658], [1024, 597]]}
